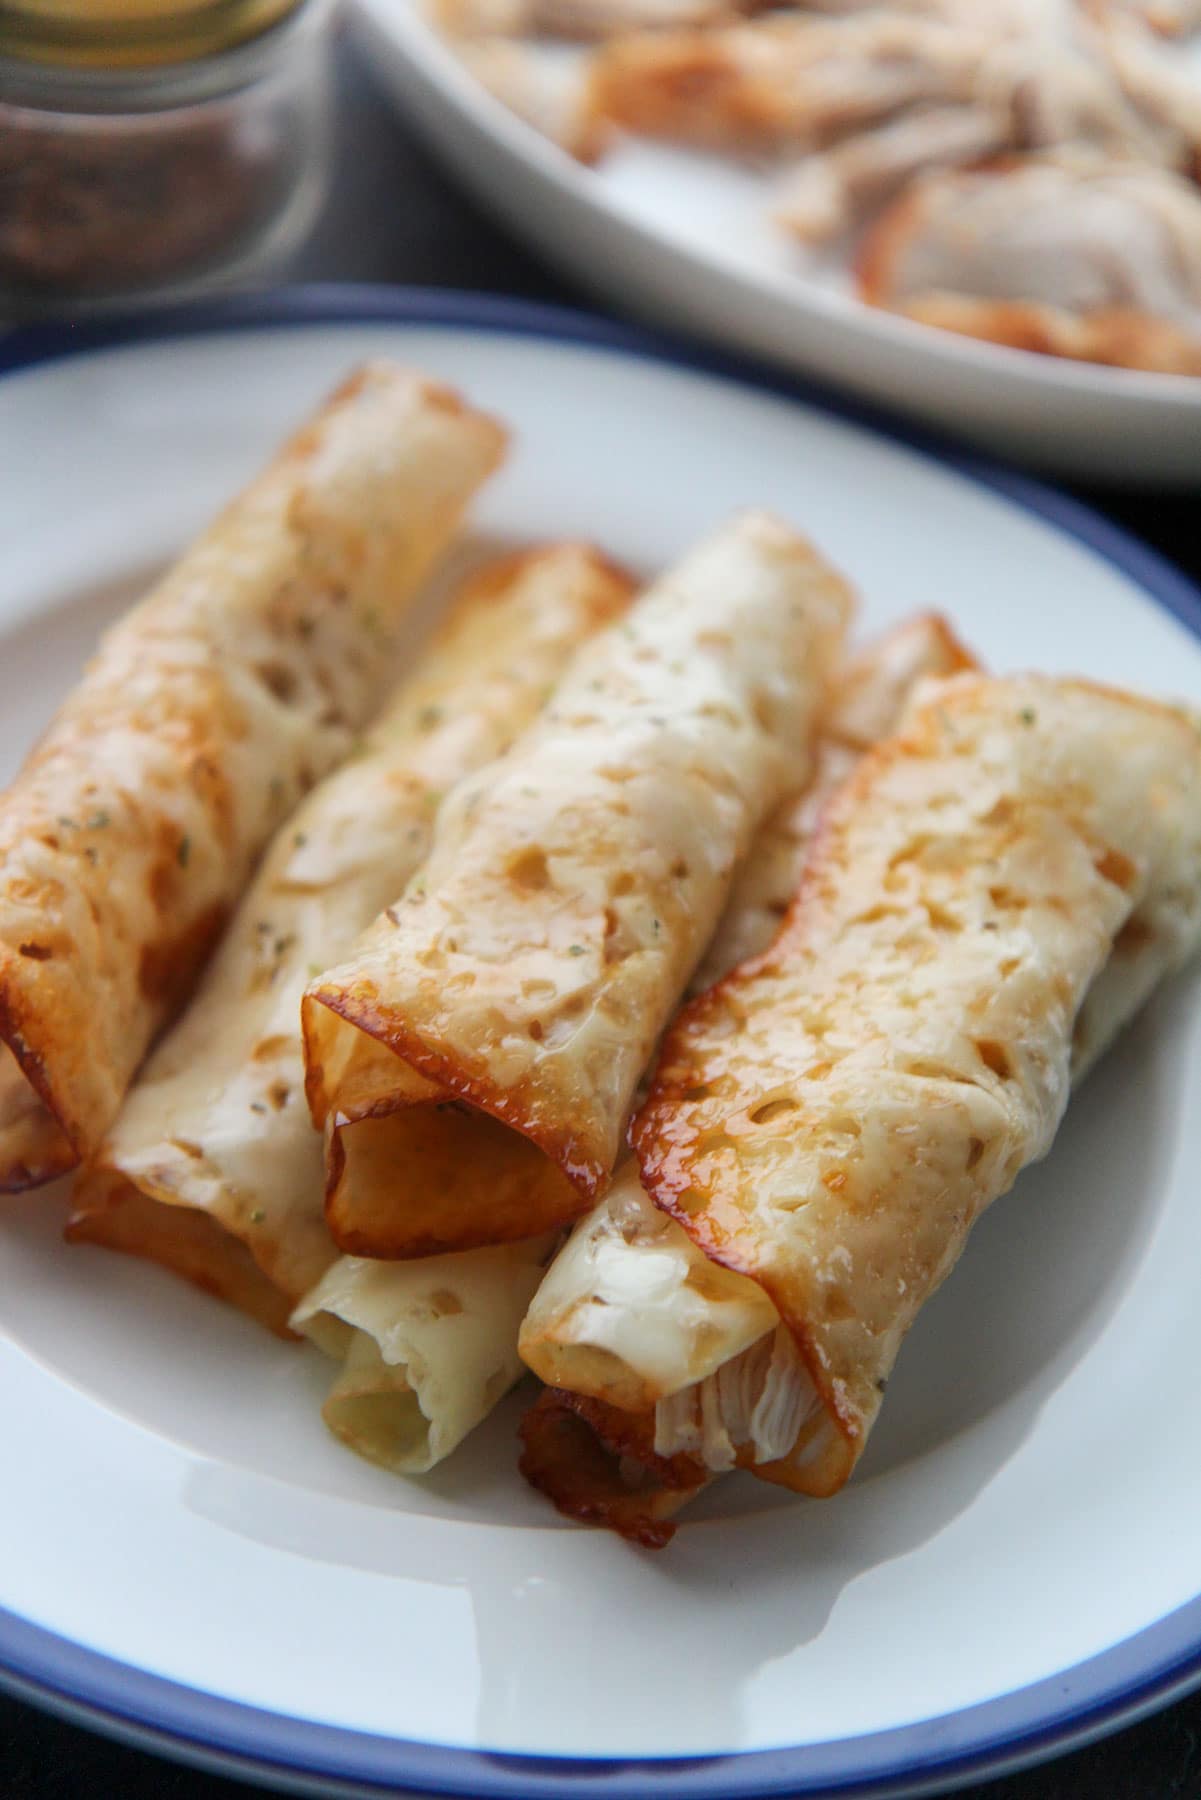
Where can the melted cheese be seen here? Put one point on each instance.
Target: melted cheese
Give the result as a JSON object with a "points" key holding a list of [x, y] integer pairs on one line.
{"points": [[631, 1310]]}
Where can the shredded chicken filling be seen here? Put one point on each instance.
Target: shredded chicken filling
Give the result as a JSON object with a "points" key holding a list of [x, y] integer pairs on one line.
{"points": [[758, 1401]]}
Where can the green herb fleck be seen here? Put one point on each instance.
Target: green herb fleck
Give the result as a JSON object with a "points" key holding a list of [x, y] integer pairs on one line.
{"points": [[1028, 716], [68, 824], [576, 950], [315, 969], [257, 1106], [99, 821], [258, 1215], [656, 925], [432, 799], [299, 840], [184, 852]]}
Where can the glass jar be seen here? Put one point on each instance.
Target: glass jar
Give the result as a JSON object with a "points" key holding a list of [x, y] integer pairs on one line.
{"points": [[150, 148]]}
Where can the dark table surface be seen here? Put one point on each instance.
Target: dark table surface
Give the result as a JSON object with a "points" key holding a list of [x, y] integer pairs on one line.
{"points": [[393, 216]]}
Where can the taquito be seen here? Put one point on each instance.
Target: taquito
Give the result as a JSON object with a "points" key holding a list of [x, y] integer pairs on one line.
{"points": [[213, 1166], [206, 714], [487, 1036]]}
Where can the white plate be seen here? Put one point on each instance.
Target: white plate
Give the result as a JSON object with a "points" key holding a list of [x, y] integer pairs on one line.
{"points": [[191, 1557], [685, 240]]}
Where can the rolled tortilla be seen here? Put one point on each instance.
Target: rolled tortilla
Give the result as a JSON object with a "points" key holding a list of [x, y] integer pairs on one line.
{"points": [[756, 1401], [207, 712], [631, 1310], [427, 1348], [905, 1047], [489, 1033], [213, 1166]]}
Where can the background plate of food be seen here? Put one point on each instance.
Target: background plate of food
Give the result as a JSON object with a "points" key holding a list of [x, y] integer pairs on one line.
{"points": [[444, 893], [823, 186]]}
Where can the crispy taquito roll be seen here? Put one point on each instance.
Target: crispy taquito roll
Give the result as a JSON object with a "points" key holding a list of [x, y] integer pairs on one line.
{"points": [[784, 1404], [213, 1166], [631, 1310], [488, 1034], [905, 1047], [427, 1347], [207, 712]]}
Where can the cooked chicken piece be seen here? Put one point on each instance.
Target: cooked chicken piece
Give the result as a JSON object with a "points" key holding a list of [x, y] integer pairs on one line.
{"points": [[786, 81], [551, 95], [831, 193], [577, 19], [1165, 95], [1065, 84], [1171, 18], [1067, 255]]}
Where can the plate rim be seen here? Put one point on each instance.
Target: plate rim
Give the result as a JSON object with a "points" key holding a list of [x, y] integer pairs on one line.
{"points": [[1075, 1706]]}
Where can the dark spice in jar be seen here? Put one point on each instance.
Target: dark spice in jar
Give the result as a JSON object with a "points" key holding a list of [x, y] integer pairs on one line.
{"points": [[125, 203], [157, 147]]}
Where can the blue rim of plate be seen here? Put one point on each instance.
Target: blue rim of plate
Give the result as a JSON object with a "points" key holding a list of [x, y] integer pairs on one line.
{"points": [[1145, 1672]]}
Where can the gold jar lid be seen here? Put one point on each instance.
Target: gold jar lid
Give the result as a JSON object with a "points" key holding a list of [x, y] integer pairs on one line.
{"points": [[130, 34]]}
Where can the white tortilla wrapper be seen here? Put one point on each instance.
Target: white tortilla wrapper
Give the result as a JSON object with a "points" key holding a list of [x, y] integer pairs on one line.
{"points": [[427, 1347], [205, 715]]}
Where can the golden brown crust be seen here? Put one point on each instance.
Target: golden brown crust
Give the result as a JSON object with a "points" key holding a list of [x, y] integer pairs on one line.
{"points": [[478, 1183], [122, 1217], [598, 1465]]}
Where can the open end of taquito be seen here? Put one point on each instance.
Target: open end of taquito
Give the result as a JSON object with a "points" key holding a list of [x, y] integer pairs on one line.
{"points": [[475, 1062]]}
